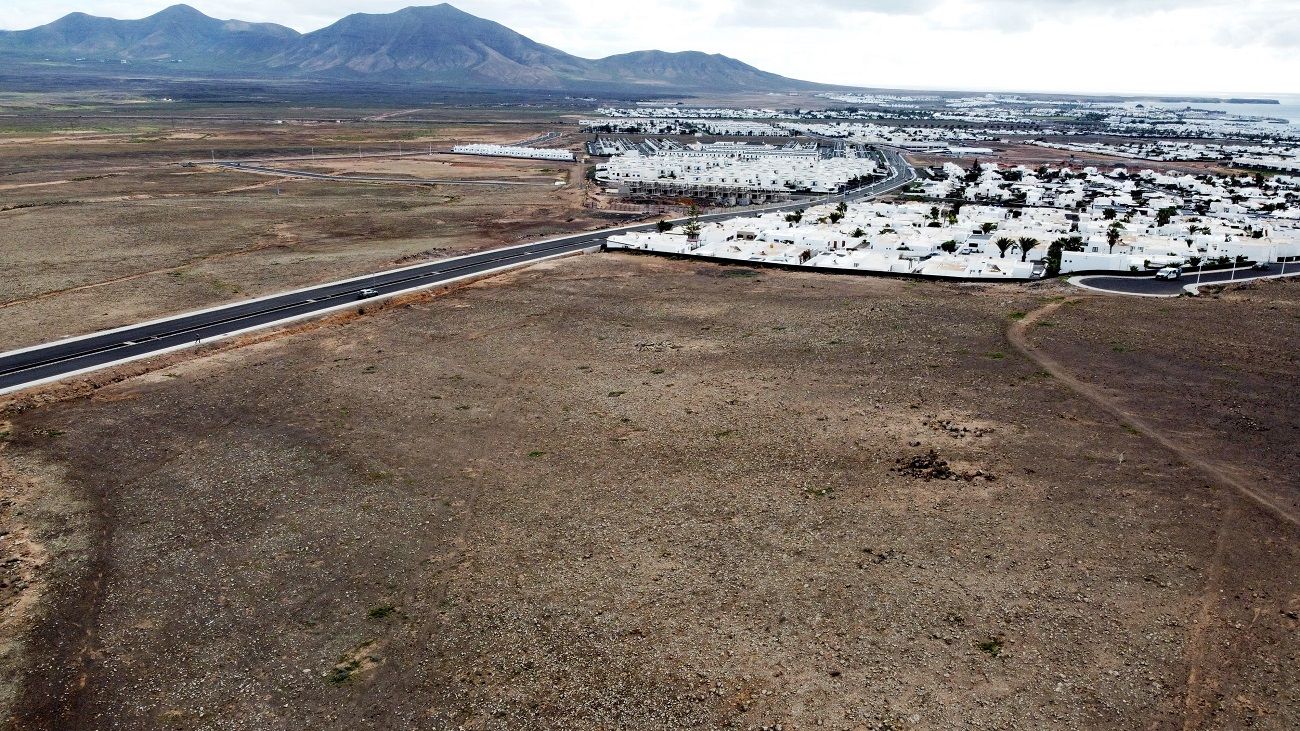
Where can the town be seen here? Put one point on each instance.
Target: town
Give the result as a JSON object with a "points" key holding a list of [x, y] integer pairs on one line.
{"points": [[989, 222]]}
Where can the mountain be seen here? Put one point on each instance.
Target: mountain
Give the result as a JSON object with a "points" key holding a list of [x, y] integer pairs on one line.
{"points": [[438, 45], [435, 44], [687, 68], [177, 33]]}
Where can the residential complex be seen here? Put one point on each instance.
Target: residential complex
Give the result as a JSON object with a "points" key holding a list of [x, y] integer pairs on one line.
{"points": [[730, 173], [528, 153], [1078, 221]]}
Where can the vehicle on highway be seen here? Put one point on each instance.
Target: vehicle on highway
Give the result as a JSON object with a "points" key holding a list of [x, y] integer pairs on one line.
{"points": [[367, 293], [1261, 266], [1170, 273]]}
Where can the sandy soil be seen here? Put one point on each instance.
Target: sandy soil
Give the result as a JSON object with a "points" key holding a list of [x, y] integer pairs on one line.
{"points": [[617, 491]]}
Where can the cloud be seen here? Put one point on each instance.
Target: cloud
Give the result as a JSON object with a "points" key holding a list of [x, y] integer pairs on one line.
{"points": [[1027, 15], [828, 14], [1254, 28]]}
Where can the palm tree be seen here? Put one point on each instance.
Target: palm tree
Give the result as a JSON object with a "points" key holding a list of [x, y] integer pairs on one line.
{"points": [[1026, 243], [1112, 238], [1003, 244]]}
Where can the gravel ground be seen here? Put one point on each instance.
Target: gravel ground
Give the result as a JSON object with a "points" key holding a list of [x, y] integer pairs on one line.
{"points": [[624, 492]]}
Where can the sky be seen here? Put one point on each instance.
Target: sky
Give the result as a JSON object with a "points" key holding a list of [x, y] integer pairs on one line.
{"points": [[1085, 46]]}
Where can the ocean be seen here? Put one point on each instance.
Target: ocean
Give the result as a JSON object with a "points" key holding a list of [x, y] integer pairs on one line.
{"points": [[1289, 109]]}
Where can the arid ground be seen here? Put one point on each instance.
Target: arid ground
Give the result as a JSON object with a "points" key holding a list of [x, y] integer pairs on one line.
{"points": [[613, 491], [102, 225]]}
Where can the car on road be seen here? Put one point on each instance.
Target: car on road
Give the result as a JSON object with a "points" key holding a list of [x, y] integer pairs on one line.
{"points": [[1261, 266], [1170, 273], [367, 293]]}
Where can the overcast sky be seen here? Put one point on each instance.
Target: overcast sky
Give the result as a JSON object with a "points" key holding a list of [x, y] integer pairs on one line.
{"points": [[1167, 46]]}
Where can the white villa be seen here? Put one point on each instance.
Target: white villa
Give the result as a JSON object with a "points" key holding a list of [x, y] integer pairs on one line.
{"points": [[731, 173], [979, 242]]}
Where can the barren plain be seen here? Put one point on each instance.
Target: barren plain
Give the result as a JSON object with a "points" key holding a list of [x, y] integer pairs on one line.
{"points": [[613, 491], [102, 227]]}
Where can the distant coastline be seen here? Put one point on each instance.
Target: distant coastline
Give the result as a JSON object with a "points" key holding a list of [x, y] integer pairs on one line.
{"points": [[1204, 100]]}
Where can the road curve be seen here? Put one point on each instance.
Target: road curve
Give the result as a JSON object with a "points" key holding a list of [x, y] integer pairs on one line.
{"points": [[41, 364], [1152, 287]]}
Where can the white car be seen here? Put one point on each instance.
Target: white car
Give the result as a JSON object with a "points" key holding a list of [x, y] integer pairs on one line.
{"points": [[1170, 273], [367, 293]]}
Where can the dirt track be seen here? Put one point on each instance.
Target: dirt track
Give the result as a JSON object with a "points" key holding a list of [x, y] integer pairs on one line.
{"points": [[1016, 334]]}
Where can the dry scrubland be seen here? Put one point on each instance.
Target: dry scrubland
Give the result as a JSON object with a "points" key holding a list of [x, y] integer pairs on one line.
{"points": [[620, 492], [104, 228]]}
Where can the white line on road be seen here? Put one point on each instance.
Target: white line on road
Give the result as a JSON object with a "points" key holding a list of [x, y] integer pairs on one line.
{"points": [[1078, 282]]}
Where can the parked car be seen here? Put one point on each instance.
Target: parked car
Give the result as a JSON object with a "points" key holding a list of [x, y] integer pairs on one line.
{"points": [[1170, 273], [367, 293]]}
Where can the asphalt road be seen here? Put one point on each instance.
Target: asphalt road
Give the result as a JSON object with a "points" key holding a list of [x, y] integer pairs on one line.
{"points": [[41, 364], [1152, 287]]}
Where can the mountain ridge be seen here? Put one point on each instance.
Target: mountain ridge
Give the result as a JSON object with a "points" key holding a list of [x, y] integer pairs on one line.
{"points": [[438, 45]]}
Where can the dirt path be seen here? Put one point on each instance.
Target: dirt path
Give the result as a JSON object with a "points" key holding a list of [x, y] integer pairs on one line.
{"points": [[1017, 336], [1198, 683], [1198, 645], [16, 186]]}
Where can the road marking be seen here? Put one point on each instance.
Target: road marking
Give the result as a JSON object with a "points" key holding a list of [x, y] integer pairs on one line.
{"points": [[1192, 289], [1078, 282], [269, 325]]}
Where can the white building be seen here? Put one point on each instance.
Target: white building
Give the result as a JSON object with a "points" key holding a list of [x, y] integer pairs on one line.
{"points": [[731, 173], [528, 153]]}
